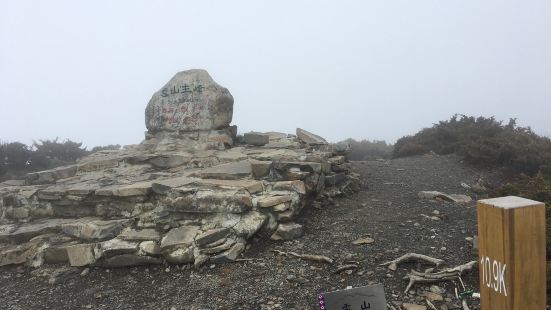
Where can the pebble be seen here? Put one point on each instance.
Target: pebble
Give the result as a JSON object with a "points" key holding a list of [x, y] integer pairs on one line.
{"points": [[85, 272]]}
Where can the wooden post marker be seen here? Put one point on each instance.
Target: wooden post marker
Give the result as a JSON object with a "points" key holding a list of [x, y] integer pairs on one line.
{"points": [[512, 263]]}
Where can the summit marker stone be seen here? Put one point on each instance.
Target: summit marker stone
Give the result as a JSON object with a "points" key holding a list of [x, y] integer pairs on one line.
{"points": [[190, 101]]}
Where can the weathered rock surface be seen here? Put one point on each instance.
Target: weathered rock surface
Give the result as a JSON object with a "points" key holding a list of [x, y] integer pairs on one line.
{"points": [[456, 198], [309, 138], [256, 138], [187, 194], [287, 231], [190, 101]]}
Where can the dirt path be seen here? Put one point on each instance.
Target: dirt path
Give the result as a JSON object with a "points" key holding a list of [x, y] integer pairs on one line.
{"points": [[387, 210]]}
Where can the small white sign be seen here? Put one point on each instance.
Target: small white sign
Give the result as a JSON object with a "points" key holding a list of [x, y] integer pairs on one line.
{"points": [[371, 297]]}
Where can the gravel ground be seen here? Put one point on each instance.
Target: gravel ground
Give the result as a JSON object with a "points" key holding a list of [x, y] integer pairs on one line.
{"points": [[387, 210]]}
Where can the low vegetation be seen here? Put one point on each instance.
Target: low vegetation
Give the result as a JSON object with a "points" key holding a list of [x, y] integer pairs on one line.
{"points": [[523, 156], [17, 158]]}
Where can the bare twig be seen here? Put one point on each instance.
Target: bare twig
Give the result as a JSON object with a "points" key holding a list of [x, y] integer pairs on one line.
{"points": [[346, 267], [448, 274], [412, 256], [316, 258], [430, 304], [464, 304], [247, 259]]}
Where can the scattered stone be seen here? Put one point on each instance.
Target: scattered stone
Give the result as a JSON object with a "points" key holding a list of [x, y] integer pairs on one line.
{"points": [[408, 306], [433, 296], [456, 198], [85, 272], [363, 240], [287, 231]]}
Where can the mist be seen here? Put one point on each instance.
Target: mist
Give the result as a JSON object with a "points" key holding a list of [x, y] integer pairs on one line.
{"points": [[359, 69]]}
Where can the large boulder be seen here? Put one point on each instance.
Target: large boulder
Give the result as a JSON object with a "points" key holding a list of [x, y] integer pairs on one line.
{"points": [[190, 101]]}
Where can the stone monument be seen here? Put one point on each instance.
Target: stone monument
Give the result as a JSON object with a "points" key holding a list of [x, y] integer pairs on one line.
{"points": [[191, 192]]}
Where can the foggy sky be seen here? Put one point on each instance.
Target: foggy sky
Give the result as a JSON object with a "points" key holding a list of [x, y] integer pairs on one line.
{"points": [[85, 70]]}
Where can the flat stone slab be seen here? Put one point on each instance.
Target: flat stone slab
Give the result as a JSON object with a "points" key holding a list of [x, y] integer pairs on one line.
{"points": [[229, 171], [179, 237], [162, 186], [93, 229], [310, 138], [251, 186], [271, 201], [135, 189], [148, 234], [27, 231], [212, 235], [256, 138]]}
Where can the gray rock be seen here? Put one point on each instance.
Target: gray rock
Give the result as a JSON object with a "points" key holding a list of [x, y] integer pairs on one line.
{"points": [[162, 186], [256, 138], [179, 237], [212, 235], [135, 189], [287, 231], [94, 229], [229, 255], [170, 160], [297, 186], [310, 138], [127, 260], [252, 186], [150, 248], [115, 247], [229, 171], [190, 101], [14, 255], [81, 254], [250, 224], [260, 168], [456, 198], [147, 234], [335, 179], [270, 201], [29, 230], [181, 256], [219, 248]]}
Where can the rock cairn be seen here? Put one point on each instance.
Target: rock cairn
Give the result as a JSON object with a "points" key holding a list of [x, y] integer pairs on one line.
{"points": [[193, 191]]}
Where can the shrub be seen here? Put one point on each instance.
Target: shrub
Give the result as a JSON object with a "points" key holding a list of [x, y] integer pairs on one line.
{"points": [[16, 158], [483, 141]]}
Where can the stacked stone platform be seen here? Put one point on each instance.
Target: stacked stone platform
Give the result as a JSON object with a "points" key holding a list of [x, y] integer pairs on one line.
{"points": [[180, 196]]}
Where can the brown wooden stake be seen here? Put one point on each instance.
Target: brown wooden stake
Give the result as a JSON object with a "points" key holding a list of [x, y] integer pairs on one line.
{"points": [[511, 254]]}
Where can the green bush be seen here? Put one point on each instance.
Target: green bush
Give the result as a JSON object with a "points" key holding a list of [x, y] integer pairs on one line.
{"points": [[524, 156], [16, 158], [483, 141]]}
